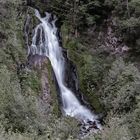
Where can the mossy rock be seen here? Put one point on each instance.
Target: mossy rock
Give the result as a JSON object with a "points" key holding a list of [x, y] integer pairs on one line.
{"points": [[53, 90]]}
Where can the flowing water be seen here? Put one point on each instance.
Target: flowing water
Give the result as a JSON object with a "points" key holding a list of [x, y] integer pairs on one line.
{"points": [[45, 43]]}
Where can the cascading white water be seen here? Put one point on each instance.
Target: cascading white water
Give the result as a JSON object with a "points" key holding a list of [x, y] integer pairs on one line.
{"points": [[47, 44]]}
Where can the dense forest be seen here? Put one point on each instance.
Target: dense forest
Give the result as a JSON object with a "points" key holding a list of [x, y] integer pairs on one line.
{"points": [[100, 39]]}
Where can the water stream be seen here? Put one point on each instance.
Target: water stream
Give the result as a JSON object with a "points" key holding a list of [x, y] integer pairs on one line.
{"points": [[45, 43]]}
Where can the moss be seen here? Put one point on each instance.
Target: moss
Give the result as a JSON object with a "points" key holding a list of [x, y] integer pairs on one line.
{"points": [[30, 79], [53, 90]]}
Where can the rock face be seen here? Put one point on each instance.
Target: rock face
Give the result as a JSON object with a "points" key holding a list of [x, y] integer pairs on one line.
{"points": [[71, 80], [40, 63]]}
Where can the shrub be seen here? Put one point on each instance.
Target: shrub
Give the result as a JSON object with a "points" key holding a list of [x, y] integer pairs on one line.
{"points": [[120, 88]]}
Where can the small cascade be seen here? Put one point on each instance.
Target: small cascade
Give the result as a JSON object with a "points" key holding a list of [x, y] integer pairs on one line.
{"points": [[45, 43]]}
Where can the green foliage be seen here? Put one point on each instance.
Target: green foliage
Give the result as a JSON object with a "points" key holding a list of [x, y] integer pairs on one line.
{"points": [[120, 88], [30, 80], [77, 14], [129, 23], [7, 88], [135, 7], [16, 111], [120, 95], [116, 130], [28, 114], [24, 116], [126, 16], [61, 129], [91, 74], [134, 120]]}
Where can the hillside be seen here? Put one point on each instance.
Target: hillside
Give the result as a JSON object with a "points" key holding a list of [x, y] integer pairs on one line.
{"points": [[100, 42]]}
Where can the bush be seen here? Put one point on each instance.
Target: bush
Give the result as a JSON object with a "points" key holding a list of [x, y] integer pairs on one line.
{"points": [[116, 130], [121, 87]]}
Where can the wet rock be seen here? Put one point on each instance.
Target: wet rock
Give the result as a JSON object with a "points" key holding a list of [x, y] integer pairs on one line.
{"points": [[88, 127]]}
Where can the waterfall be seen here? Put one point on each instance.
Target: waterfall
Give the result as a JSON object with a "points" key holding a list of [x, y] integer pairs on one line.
{"points": [[45, 43]]}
